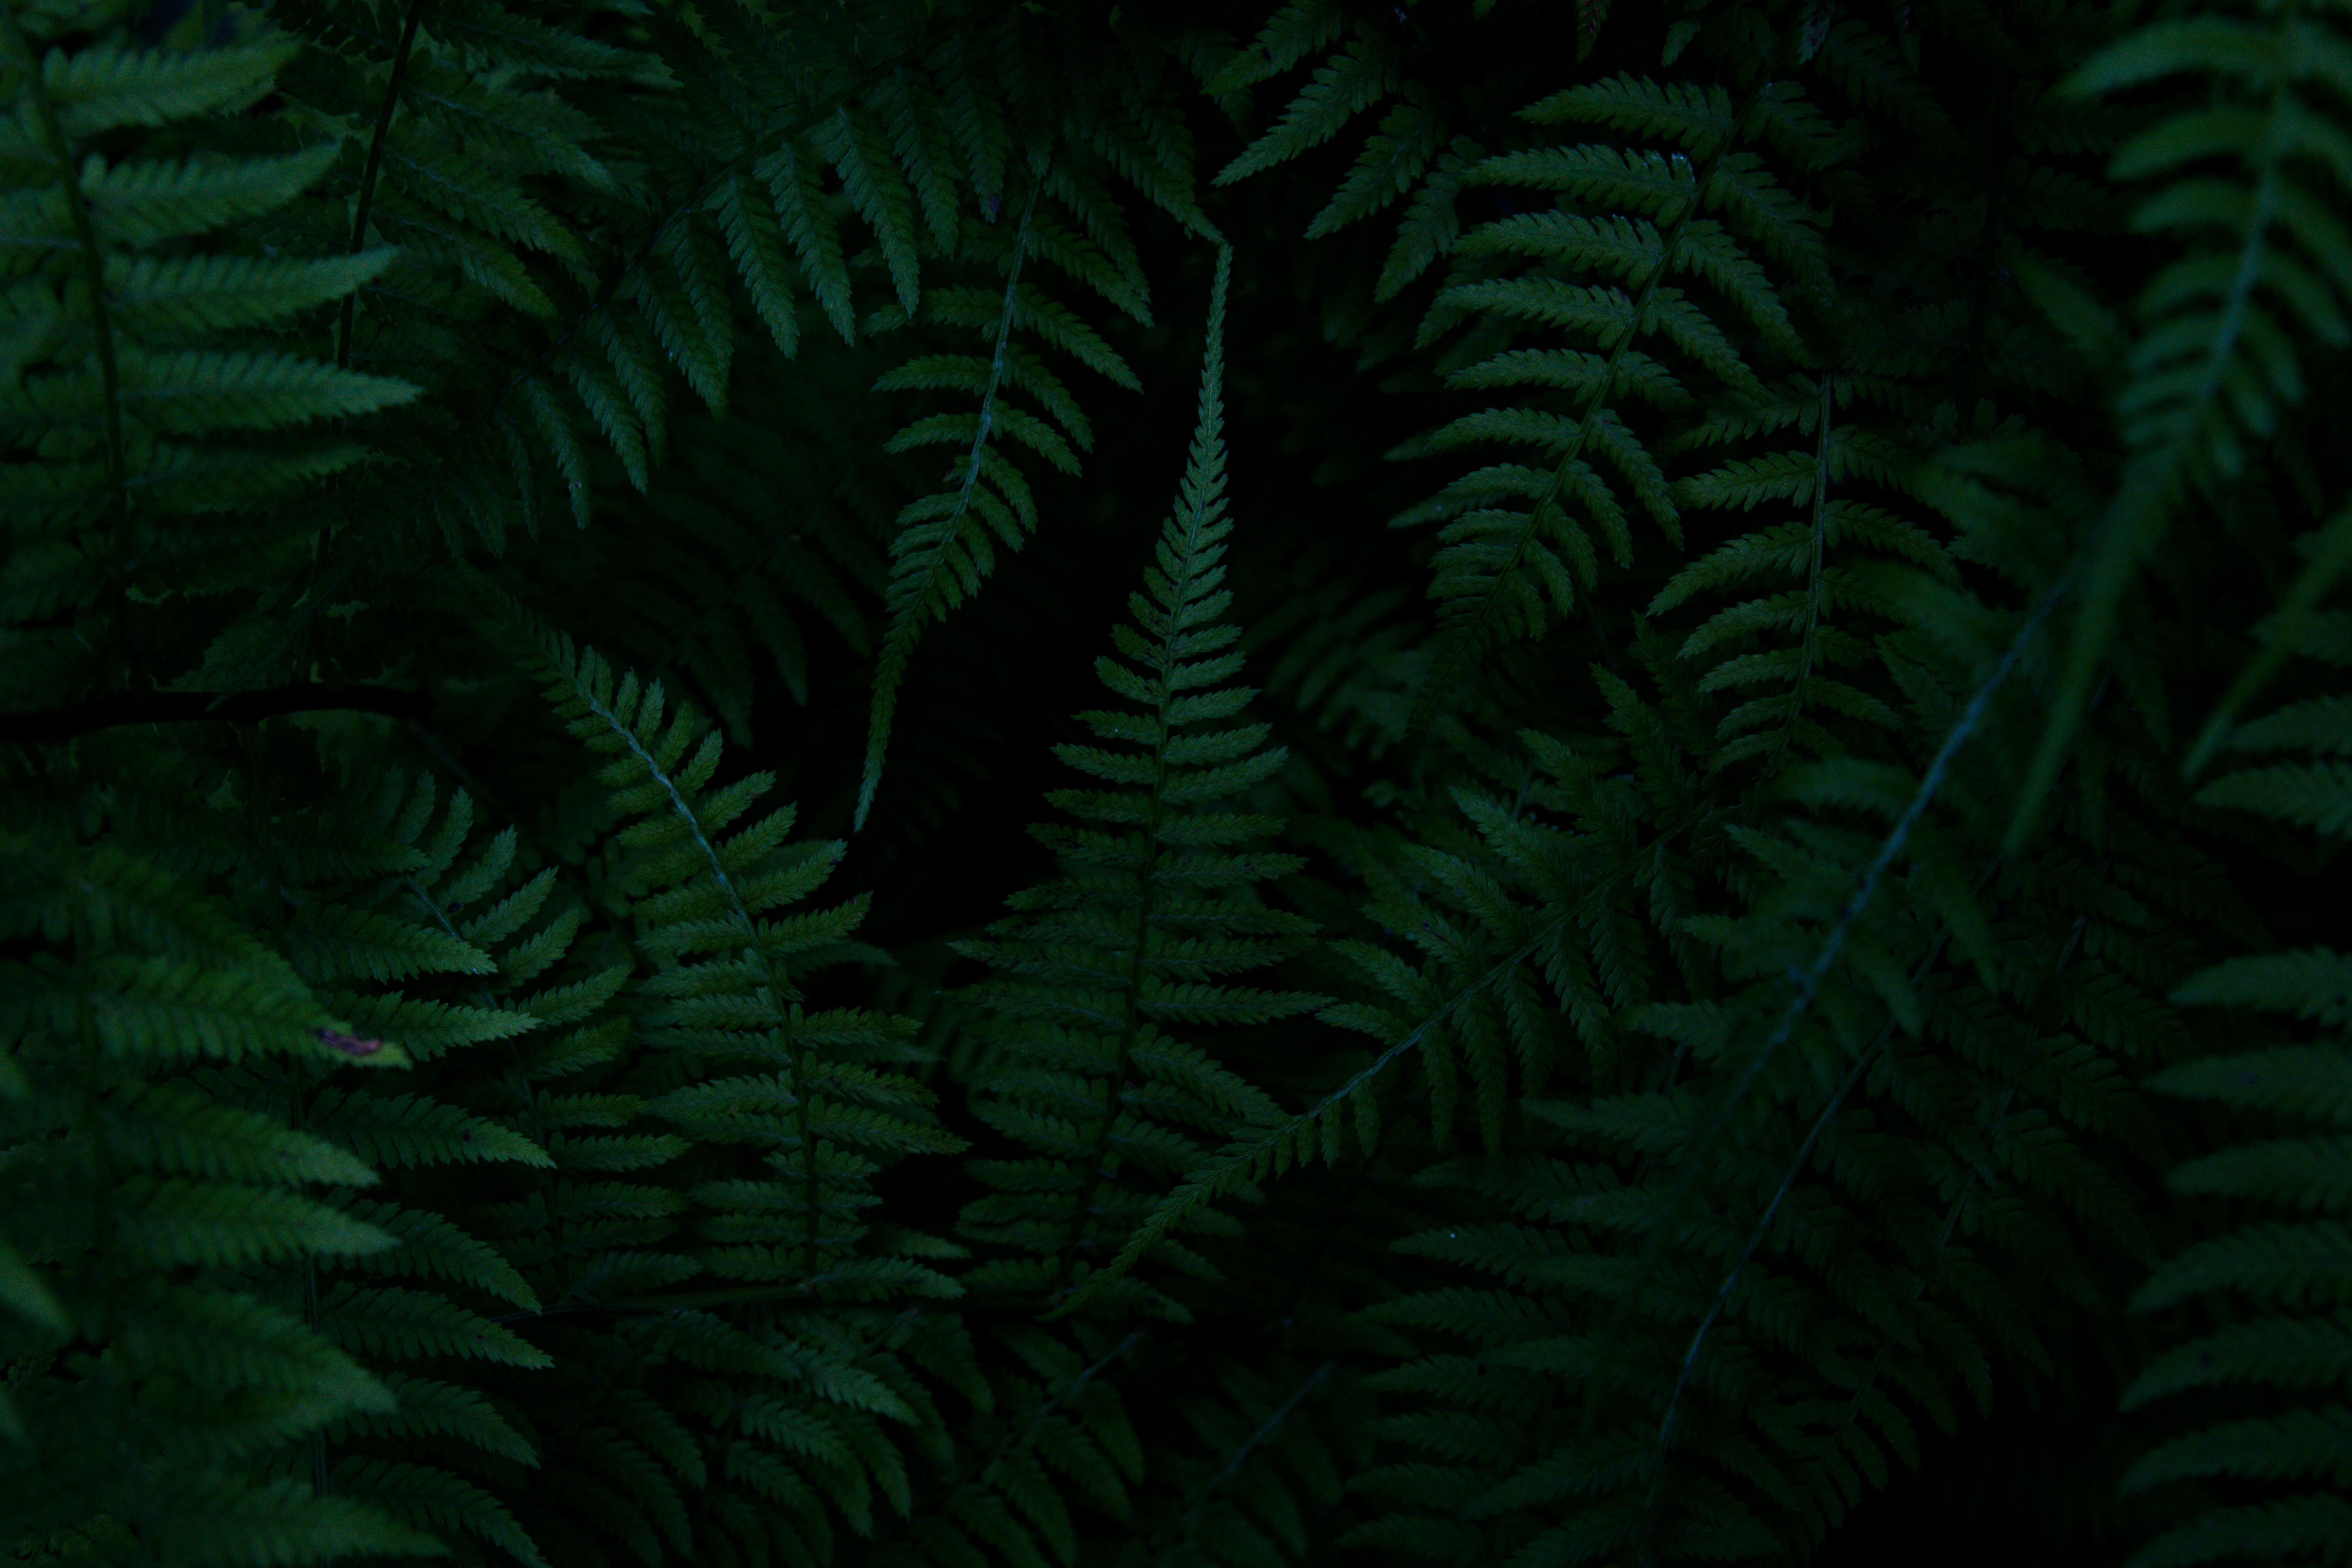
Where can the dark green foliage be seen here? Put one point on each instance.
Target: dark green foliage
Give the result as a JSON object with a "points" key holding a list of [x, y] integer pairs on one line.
{"points": [[1789, 887], [1106, 969], [2279, 1281]]}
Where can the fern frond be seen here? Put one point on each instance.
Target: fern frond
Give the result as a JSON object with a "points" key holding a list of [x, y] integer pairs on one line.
{"points": [[2291, 1271], [2213, 364], [1098, 966], [946, 541], [159, 427], [707, 893], [1499, 570], [157, 1208], [1769, 726]]}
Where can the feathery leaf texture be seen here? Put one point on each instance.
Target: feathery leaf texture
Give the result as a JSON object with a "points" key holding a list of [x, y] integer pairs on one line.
{"points": [[127, 1246], [2286, 1266], [1518, 538], [1706, 985], [2204, 370], [1100, 970], [944, 542]]}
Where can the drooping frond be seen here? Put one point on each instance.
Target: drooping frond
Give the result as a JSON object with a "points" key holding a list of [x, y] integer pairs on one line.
{"points": [[2207, 365], [1688, 201], [1053, 181], [819, 1096]]}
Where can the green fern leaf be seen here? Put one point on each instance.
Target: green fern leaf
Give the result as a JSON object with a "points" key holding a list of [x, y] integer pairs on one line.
{"points": [[443, 1410], [436, 1500], [790, 175], [220, 1519], [1099, 987], [166, 1221], [1356, 78], [1393, 160]]}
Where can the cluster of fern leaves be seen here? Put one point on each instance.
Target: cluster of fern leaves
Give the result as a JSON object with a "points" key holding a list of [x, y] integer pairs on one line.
{"points": [[1773, 884]]}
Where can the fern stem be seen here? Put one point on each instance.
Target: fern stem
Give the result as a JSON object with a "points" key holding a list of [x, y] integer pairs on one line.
{"points": [[92, 264], [2137, 518], [809, 1193], [967, 1474], [1808, 981], [347, 316], [1723, 1293], [1958, 1204], [1098, 1157], [1764, 1221], [1069, 1390], [1820, 1124], [369, 174], [781, 997], [1005, 315], [1204, 1184], [1232, 1464]]}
